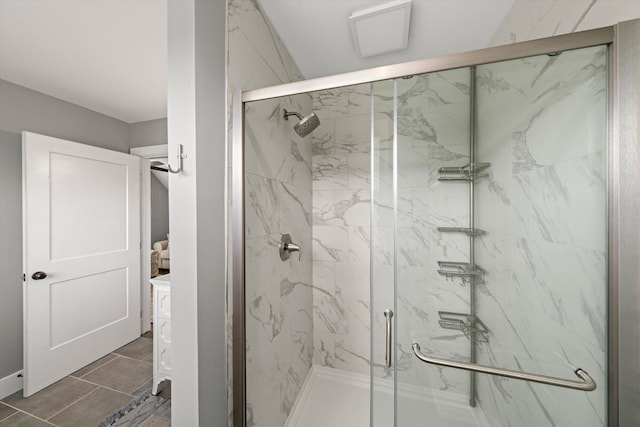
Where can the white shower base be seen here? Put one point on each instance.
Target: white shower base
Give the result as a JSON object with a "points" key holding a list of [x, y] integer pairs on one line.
{"points": [[331, 397]]}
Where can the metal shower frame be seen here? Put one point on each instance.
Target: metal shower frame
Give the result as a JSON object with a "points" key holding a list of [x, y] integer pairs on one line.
{"points": [[623, 193]]}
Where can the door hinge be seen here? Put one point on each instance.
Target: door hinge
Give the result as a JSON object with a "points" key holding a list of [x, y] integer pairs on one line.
{"points": [[24, 277]]}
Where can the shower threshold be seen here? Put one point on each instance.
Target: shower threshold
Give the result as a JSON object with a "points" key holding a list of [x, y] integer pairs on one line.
{"points": [[332, 397]]}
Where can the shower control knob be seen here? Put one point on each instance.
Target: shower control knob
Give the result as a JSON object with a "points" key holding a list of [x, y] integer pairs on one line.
{"points": [[287, 246], [38, 275]]}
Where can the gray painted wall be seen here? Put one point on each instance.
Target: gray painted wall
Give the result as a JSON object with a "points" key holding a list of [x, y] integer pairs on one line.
{"points": [[159, 210], [152, 132], [10, 253], [25, 109], [143, 134]]}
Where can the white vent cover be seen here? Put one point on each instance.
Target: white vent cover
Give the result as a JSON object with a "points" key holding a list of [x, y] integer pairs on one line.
{"points": [[382, 28]]}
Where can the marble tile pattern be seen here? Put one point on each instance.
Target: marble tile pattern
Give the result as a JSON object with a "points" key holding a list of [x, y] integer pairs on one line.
{"points": [[257, 58], [542, 125], [341, 228], [279, 306], [433, 131]]}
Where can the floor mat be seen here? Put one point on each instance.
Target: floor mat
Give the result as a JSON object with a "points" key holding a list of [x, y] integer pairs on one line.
{"points": [[145, 410]]}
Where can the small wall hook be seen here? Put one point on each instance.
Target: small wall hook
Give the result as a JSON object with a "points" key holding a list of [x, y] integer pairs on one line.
{"points": [[180, 156]]}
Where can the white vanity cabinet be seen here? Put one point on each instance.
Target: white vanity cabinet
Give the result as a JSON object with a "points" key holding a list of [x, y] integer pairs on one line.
{"points": [[161, 330]]}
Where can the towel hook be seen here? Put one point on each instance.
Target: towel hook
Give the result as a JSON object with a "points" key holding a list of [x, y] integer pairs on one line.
{"points": [[180, 156]]}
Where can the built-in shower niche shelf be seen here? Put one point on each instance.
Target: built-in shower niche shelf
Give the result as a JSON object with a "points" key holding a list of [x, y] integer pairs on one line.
{"points": [[467, 272], [467, 231], [472, 327], [466, 173]]}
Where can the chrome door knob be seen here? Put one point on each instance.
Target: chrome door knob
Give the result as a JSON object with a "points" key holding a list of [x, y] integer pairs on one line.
{"points": [[38, 275]]}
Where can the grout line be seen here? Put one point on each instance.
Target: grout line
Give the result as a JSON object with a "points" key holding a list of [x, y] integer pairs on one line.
{"points": [[73, 403], [107, 388], [18, 410], [141, 384], [97, 367], [101, 366], [10, 415], [130, 358]]}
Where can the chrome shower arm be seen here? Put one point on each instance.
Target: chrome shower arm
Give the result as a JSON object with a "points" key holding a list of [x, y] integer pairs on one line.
{"points": [[292, 113]]}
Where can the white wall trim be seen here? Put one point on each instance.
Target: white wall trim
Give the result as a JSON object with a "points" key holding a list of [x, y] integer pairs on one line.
{"points": [[10, 384], [146, 153], [151, 151]]}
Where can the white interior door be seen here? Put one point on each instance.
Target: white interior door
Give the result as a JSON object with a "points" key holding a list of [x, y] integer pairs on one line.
{"points": [[82, 230]]}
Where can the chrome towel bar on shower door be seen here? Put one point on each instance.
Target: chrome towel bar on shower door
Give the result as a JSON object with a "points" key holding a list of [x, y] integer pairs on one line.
{"points": [[587, 383]]}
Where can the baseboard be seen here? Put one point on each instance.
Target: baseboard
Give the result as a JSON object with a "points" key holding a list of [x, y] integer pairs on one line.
{"points": [[10, 384]]}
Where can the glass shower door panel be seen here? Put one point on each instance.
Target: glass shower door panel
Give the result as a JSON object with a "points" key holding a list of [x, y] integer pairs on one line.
{"points": [[542, 124], [501, 240], [433, 132], [382, 252]]}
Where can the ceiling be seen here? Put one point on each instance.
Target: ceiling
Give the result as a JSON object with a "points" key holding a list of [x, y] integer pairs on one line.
{"points": [[110, 56], [106, 55], [318, 36]]}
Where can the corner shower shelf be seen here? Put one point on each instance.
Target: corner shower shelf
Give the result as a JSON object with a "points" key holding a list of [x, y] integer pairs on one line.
{"points": [[467, 272], [466, 173], [467, 231], [472, 327]]}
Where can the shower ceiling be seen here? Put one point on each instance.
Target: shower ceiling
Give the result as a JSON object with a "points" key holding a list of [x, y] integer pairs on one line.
{"points": [[318, 36]]}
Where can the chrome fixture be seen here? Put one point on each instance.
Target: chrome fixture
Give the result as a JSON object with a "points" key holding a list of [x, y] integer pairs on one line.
{"points": [[287, 246], [466, 271], [306, 125], [472, 327], [180, 156], [467, 231], [587, 383], [468, 172], [388, 314]]}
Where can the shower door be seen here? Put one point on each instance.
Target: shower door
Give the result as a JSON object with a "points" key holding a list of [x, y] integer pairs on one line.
{"points": [[489, 190]]}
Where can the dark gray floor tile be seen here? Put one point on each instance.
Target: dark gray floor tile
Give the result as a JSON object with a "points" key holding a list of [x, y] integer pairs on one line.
{"points": [[84, 371], [20, 419], [144, 387], [122, 374], [91, 409], [5, 411], [139, 349], [52, 399]]}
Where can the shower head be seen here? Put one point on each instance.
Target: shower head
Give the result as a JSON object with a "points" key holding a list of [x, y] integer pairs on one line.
{"points": [[306, 125]]}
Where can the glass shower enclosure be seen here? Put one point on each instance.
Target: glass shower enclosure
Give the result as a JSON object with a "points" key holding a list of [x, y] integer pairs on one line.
{"points": [[435, 250], [494, 185]]}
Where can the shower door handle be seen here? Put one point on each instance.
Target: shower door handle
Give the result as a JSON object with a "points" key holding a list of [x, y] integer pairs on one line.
{"points": [[388, 343], [586, 383]]}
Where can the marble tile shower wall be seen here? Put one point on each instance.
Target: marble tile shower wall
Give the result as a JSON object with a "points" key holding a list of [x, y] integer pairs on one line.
{"points": [[258, 58], [542, 125], [341, 211], [433, 131], [279, 319]]}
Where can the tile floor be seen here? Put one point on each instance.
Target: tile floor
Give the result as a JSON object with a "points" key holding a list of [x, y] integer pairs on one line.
{"points": [[87, 396]]}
